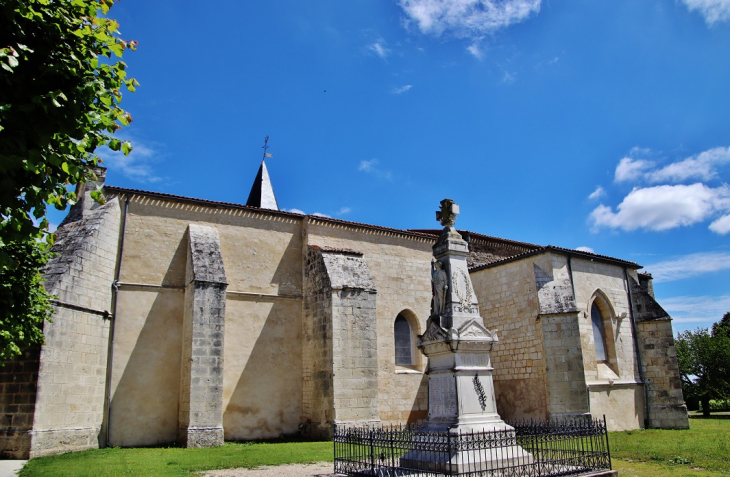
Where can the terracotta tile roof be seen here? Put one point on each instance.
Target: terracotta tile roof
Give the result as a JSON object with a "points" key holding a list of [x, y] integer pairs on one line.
{"points": [[504, 250], [213, 203], [486, 251], [412, 233]]}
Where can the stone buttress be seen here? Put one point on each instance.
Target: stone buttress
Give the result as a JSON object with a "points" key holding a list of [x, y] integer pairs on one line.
{"points": [[200, 422], [340, 342], [558, 315], [666, 408], [53, 397]]}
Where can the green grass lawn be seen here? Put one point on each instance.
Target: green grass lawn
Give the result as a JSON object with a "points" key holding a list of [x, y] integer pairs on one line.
{"points": [[704, 450], [175, 461]]}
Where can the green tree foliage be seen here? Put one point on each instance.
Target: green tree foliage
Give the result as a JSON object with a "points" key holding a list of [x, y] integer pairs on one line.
{"points": [[24, 303], [60, 89], [704, 363]]}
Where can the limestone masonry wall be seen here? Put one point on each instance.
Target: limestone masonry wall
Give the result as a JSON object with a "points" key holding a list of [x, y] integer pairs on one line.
{"points": [[71, 389], [590, 279], [658, 357], [306, 307], [354, 339], [200, 413], [261, 254], [318, 411], [18, 381], [400, 268], [508, 303], [615, 386], [661, 372], [145, 378]]}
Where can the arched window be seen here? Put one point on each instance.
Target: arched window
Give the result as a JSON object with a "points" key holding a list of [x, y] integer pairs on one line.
{"points": [[403, 346], [599, 333]]}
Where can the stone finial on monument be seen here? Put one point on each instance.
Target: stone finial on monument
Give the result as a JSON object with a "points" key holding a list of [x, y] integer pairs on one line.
{"points": [[457, 345], [447, 213]]}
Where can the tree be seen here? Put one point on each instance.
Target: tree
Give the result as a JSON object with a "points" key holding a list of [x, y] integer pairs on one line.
{"points": [[24, 303], [704, 363], [60, 91]]}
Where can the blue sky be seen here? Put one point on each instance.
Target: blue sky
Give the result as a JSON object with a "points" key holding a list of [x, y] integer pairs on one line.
{"points": [[603, 125]]}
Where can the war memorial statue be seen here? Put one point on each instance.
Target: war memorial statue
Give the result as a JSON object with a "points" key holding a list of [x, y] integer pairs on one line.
{"points": [[460, 385]]}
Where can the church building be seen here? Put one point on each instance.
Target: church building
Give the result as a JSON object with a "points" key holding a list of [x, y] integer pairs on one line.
{"points": [[190, 321]]}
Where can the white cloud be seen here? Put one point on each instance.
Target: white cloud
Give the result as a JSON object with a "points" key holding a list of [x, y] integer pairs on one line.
{"points": [[379, 48], [475, 51], [712, 10], [508, 78], [629, 169], [598, 193], [298, 211], [137, 165], [367, 166], [689, 312], [467, 18], [344, 210], [673, 204], [722, 225], [688, 266], [371, 167], [702, 166], [585, 249], [402, 89], [663, 207]]}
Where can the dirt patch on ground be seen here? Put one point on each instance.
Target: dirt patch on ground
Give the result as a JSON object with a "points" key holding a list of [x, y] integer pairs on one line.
{"points": [[318, 469]]}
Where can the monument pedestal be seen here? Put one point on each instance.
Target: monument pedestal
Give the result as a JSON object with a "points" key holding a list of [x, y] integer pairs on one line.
{"points": [[462, 410], [463, 431]]}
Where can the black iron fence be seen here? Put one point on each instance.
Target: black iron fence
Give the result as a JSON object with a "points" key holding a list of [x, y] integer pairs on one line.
{"points": [[567, 447]]}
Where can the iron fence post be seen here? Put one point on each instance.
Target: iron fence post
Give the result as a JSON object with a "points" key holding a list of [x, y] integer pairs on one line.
{"points": [[608, 448], [448, 452]]}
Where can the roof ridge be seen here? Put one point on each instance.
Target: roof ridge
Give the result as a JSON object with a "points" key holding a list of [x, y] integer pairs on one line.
{"points": [[165, 195]]}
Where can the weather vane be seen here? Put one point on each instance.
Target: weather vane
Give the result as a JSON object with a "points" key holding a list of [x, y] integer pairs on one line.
{"points": [[266, 148]]}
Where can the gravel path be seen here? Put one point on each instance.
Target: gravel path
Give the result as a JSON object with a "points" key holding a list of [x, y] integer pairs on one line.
{"points": [[319, 469]]}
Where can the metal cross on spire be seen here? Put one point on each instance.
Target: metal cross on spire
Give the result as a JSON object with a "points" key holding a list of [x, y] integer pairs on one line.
{"points": [[266, 148]]}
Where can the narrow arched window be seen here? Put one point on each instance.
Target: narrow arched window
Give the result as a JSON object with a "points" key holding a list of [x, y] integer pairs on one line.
{"points": [[402, 332], [599, 333]]}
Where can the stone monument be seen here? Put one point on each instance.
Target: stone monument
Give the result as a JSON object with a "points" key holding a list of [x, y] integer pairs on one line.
{"points": [[457, 345]]}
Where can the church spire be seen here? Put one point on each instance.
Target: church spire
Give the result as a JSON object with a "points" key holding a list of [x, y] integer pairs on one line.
{"points": [[262, 192]]}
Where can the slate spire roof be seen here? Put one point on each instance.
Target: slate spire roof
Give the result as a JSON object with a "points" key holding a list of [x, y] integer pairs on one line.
{"points": [[262, 192]]}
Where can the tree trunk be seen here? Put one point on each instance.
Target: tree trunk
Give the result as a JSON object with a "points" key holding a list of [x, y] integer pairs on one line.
{"points": [[705, 406]]}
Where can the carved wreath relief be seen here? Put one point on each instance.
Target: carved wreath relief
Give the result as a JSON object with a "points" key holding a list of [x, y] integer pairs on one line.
{"points": [[465, 293], [480, 392]]}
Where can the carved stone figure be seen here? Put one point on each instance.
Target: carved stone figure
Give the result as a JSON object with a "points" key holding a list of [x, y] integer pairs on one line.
{"points": [[440, 286]]}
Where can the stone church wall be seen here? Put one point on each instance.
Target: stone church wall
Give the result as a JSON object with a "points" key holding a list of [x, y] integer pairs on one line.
{"points": [[399, 265], [70, 399], [262, 258], [658, 357], [545, 362], [318, 408], [661, 372], [18, 384], [564, 367], [508, 303], [615, 387]]}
